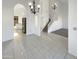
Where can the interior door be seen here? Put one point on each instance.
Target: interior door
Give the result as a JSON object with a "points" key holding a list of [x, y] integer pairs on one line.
{"points": [[24, 25], [15, 20]]}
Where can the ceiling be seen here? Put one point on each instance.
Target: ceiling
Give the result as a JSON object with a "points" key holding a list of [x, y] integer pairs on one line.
{"points": [[63, 1]]}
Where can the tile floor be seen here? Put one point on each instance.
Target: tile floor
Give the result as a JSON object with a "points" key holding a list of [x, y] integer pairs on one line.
{"points": [[47, 46]]}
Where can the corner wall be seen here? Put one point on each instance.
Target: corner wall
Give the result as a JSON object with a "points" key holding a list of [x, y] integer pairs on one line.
{"points": [[7, 21]]}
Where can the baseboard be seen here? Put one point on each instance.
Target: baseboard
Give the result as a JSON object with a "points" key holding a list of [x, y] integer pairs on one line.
{"points": [[6, 40]]}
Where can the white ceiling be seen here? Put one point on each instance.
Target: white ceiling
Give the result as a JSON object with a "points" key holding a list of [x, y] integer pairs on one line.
{"points": [[63, 1]]}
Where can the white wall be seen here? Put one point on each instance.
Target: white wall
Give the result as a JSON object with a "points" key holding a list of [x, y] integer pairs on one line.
{"points": [[8, 18], [30, 18], [41, 18], [72, 21], [59, 17], [37, 25], [30, 22], [7, 30], [55, 25], [20, 11], [56, 16], [44, 13], [64, 11]]}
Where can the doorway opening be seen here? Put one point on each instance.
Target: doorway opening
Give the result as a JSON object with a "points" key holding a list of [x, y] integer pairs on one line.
{"points": [[19, 20]]}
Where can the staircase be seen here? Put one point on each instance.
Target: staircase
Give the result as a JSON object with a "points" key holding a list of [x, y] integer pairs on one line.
{"points": [[53, 25], [47, 25]]}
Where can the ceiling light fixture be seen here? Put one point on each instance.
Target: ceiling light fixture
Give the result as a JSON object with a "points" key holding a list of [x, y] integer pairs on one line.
{"points": [[34, 9]]}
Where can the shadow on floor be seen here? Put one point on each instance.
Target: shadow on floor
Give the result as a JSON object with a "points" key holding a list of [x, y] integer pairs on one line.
{"points": [[62, 32]]}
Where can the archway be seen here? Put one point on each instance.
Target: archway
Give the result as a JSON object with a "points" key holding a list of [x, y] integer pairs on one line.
{"points": [[19, 20]]}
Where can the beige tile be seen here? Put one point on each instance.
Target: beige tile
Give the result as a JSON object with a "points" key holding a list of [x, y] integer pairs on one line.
{"points": [[47, 46]]}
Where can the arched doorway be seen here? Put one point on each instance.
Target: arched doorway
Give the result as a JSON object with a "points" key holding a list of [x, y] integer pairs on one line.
{"points": [[19, 20]]}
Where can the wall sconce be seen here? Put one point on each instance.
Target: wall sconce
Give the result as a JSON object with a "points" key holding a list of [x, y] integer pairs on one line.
{"points": [[54, 6]]}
